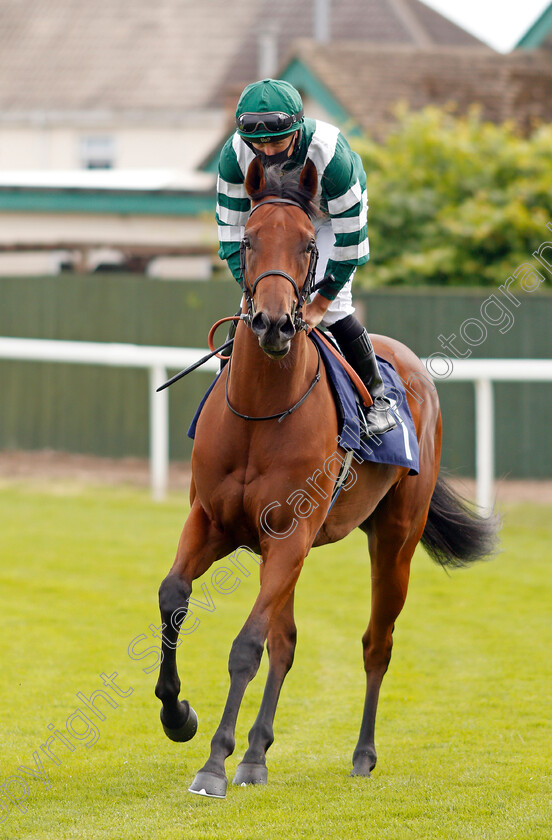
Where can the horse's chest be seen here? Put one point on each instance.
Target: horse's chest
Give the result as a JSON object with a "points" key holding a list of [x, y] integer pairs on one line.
{"points": [[236, 500]]}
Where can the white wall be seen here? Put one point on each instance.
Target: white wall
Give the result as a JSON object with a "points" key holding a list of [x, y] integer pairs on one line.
{"points": [[51, 228], [99, 236], [57, 146]]}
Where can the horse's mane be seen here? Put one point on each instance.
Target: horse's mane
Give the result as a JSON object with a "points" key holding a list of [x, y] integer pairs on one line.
{"points": [[285, 184]]}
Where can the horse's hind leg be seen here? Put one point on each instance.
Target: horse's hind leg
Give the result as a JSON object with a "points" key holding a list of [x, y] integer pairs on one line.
{"points": [[199, 546], [281, 648], [392, 540]]}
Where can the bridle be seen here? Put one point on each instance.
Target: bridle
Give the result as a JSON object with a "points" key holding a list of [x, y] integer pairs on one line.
{"points": [[298, 322], [250, 288]]}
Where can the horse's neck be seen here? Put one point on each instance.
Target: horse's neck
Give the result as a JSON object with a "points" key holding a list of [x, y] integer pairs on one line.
{"points": [[260, 385]]}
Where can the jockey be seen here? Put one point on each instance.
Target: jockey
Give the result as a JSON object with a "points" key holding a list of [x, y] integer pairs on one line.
{"points": [[271, 125]]}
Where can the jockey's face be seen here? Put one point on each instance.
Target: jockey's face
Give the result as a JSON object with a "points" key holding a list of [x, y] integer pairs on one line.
{"points": [[275, 146]]}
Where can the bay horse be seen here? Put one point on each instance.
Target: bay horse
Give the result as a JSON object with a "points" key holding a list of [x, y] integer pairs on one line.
{"points": [[239, 467]]}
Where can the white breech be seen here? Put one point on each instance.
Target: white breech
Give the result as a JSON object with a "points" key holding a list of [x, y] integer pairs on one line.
{"points": [[343, 304]]}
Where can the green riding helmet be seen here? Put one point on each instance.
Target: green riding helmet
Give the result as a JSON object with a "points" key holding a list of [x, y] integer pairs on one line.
{"points": [[269, 108]]}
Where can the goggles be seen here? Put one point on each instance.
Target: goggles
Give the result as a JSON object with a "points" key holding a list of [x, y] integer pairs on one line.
{"points": [[273, 122]]}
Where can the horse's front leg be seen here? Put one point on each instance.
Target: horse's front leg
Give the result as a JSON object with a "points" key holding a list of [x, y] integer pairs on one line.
{"points": [[199, 546], [281, 569], [281, 642]]}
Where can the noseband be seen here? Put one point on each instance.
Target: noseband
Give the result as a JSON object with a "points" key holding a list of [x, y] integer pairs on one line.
{"points": [[250, 288]]}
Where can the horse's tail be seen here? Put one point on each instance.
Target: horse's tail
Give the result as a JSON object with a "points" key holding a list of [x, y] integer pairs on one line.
{"points": [[455, 534]]}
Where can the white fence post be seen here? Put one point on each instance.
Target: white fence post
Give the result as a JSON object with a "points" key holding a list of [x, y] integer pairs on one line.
{"points": [[159, 433], [484, 444]]}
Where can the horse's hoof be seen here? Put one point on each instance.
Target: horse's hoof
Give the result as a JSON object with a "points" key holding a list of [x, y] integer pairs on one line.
{"points": [[208, 784], [360, 773], [188, 729], [363, 766], [250, 774]]}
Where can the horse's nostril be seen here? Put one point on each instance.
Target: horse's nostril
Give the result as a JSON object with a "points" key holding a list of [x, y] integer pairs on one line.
{"points": [[273, 332], [260, 323], [285, 327]]}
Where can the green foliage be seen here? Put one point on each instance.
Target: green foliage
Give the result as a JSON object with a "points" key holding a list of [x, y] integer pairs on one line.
{"points": [[455, 200]]}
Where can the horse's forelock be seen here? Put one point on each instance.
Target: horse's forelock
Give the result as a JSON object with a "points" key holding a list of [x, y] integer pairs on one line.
{"points": [[285, 184]]}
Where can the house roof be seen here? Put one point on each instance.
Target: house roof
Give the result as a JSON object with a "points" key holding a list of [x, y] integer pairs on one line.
{"points": [[175, 56], [391, 22], [516, 86], [539, 33], [125, 55]]}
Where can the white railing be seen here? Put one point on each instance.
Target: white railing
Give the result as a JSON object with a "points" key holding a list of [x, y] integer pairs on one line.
{"points": [[154, 359], [482, 372]]}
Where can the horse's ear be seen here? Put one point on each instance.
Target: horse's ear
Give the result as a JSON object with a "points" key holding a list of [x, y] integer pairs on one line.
{"points": [[309, 178], [255, 181]]}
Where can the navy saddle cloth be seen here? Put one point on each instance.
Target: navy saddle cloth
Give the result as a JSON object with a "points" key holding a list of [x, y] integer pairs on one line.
{"points": [[398, 447]]}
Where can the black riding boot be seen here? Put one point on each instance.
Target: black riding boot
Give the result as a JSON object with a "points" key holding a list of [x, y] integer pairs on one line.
{"points": [[357, 348]]}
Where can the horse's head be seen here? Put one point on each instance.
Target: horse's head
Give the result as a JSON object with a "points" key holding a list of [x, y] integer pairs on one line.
{"points": [[278, 251]]}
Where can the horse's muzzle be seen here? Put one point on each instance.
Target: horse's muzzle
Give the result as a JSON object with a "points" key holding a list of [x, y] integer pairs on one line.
{"points": [[274, 334]]}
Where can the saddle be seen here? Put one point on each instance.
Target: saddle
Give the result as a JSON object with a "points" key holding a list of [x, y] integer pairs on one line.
{"points": [[399, 446], [361, 388]]}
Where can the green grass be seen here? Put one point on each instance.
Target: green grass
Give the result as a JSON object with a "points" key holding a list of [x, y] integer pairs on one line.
{"points": [[464, 717]]}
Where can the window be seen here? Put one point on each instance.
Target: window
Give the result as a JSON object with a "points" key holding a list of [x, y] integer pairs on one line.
{"points": [[97, 152]]}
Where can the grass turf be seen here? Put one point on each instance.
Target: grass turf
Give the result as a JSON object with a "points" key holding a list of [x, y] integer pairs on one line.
{"points": [[464, 717]]}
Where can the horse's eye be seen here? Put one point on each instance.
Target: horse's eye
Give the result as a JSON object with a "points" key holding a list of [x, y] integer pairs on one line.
{"points": [[311, 246], [246, 242]]}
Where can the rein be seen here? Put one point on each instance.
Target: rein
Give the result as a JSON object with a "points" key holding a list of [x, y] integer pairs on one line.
{"points": [[249, 291], [281, 414]]}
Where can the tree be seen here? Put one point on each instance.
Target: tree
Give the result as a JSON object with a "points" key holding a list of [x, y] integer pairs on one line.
{"points": [[455, 200]]}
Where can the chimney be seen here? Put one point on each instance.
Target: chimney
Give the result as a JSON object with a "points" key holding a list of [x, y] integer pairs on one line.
{"points": [[322, 21], [268, 51]]}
